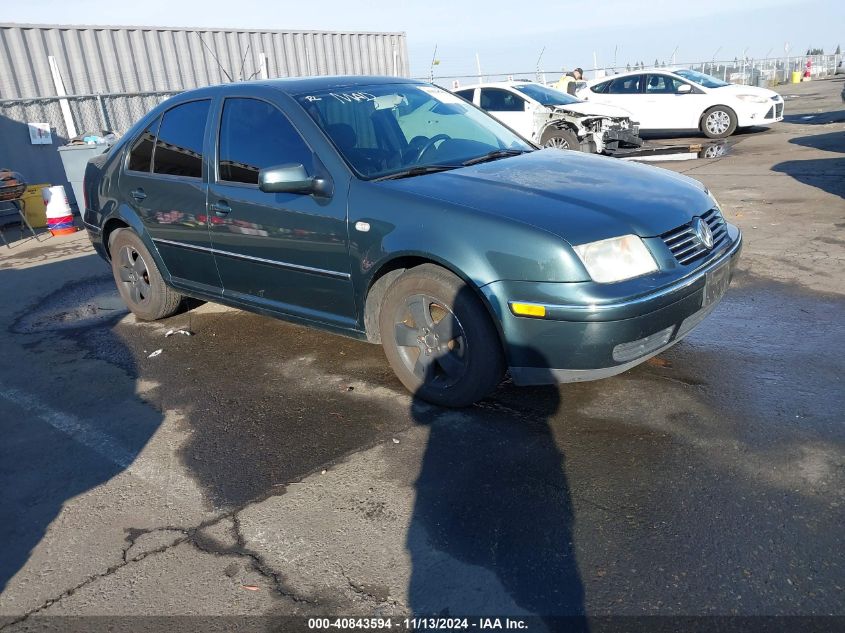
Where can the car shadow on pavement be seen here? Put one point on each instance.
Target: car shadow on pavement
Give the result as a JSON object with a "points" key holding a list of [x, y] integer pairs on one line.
{"points": [[62, 423], [827, 174], [491, 532]]}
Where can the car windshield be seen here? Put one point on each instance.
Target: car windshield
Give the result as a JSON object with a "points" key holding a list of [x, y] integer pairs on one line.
{"points": [[546, 96], [700, 78], [393, 128]]}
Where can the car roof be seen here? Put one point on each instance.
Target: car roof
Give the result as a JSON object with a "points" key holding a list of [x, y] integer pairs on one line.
{"points": [[299, 85], [638, 71], [497, 84]]}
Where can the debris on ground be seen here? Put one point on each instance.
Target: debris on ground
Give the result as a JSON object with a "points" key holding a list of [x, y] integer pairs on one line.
{"points": [[172, 332], [155, 353], [395, 441], [659, 362], [251, 587]]}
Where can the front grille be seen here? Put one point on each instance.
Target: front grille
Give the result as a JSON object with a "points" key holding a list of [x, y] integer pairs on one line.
{"points": [[685, 245], [770, 114]]}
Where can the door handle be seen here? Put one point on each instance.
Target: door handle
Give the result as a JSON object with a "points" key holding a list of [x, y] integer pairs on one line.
{"points": [[221, 208], [138, 194]]}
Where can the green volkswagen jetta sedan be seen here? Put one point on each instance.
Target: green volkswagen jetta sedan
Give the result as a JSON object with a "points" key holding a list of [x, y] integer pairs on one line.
{"points": [[395, 212]]}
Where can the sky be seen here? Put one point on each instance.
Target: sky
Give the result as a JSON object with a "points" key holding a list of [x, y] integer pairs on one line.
{"points": [[507, 35]]}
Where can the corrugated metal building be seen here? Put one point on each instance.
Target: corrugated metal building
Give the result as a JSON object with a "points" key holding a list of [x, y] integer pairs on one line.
{"points": [[115, 74]]}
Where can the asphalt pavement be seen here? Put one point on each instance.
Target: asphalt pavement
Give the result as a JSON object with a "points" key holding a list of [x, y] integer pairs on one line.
{"points": [[256, 468]]}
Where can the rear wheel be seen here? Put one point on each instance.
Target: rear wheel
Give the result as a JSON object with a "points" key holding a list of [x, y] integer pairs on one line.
{"points": [[138, 279], [718, 122], [560, 139], [439, 338]]}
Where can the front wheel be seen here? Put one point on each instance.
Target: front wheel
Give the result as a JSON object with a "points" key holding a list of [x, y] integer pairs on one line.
{"points": [[138, 279], [718, 122], [439, 338], [560, 139]]}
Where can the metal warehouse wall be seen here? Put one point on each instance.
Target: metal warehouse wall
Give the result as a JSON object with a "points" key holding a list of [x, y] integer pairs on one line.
{"points": [[142, 59], [129, 69]]}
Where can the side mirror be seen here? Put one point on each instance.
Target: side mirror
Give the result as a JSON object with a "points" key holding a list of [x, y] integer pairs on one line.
{"points": [[292, 178], [684, 89]]}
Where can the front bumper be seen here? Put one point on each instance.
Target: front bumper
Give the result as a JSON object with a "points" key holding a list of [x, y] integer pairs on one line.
{"points": [[614, 139], [581, 342], [760, 113]]}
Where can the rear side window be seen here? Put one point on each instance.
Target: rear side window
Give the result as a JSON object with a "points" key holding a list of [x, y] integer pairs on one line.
{"points": [[496, 100], [178, 150], [255, 135], [141, 154], [466, 94]]}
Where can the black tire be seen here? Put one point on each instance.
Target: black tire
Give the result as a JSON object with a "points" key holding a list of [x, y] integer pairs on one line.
{"points": [[138, 280], [561, 139], [718, 122], [439, 338]]}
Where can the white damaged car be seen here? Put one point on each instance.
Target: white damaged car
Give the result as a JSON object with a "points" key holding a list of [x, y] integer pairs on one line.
{"points": [[552, 118]]}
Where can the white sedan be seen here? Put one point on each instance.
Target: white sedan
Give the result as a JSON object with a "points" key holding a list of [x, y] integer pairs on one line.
{"points": [[552, 118], [683, 99]]}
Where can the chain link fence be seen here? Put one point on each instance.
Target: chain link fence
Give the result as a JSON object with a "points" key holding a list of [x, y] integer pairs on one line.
{"points": [[759, 72], [90, 114], [93, 113]]}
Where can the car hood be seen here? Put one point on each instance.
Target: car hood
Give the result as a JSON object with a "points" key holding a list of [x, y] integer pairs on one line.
{"points": [[579, 197], [736, 89], [595, 109]]}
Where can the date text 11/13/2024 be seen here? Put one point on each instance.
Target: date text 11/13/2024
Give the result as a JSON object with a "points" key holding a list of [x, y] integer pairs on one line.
{"points": [[417, 624]]}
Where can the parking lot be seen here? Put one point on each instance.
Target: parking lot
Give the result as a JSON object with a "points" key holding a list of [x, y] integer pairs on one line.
{"points": [[260, 468]]}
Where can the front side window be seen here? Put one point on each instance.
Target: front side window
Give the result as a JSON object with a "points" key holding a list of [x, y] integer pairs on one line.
{"points": [[178, 149], [388, 128], [600, 88], [255, 135], [626, 85], [662, 84], [498, 100], [141, 153]]}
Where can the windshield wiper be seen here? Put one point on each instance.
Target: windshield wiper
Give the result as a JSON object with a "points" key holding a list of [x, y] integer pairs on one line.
{"points": [[494, 155], [419, 170]]}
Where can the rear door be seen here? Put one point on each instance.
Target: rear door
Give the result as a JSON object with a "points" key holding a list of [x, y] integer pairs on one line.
{"points": [[164, 181], [284, 251], [625, 92], [509, 108]]}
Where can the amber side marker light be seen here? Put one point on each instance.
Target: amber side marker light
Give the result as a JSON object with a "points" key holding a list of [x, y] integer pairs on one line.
{"points": [[528, 309]]}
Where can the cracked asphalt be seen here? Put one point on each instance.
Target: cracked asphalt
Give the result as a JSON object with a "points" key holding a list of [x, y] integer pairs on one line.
{"points": [[257, 468]]}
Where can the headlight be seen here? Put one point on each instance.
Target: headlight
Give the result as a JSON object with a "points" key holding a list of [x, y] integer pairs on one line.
{"points": [[753, 98], [616, 259]]}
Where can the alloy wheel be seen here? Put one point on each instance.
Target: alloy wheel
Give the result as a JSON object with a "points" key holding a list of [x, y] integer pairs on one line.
{"points": [[718, 122], [431, 341], [557, 142], [134, 275]]}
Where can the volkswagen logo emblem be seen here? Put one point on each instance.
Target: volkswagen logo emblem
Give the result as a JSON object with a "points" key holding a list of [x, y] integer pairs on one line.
{"points": [[703, 233]]}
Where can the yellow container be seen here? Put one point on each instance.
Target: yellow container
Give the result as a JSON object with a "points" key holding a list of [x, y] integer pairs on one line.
{"points": [[796, 76], [34, 207]]}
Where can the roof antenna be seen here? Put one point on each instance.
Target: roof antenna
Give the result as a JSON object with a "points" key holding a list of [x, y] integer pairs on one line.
{"points": [[219, 65], [243, 63]]}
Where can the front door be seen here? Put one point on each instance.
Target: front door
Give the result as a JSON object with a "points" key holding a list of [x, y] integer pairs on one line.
{"points": [[163, 182], [668, 109], [286, 252], [509, 108]]}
